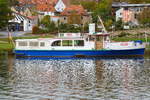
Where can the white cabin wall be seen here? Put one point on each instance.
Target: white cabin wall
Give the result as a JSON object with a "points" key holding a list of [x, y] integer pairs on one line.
{"points": [[123, 45], [87, 46]]}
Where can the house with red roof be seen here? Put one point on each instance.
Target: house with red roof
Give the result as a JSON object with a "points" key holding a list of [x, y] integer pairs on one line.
{"points": [[75, 14], [64, 12], [22, 23], [59, 10]]}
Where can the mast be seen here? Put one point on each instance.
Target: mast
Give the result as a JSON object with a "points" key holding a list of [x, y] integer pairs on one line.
{"points": [[102, 24], [105, 31]]}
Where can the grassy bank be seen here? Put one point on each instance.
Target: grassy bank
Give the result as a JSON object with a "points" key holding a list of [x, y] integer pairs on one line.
{"points": [[129, 39], [6, 46]]}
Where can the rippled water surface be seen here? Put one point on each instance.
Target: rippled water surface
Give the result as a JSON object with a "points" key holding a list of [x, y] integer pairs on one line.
{"points": [[74, 79]]}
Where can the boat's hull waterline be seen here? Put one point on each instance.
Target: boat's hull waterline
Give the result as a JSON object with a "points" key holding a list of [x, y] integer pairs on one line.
{"points": [[79, 53]]}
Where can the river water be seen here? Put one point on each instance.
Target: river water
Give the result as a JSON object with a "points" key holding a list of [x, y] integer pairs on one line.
{"points": [[74, 79]]}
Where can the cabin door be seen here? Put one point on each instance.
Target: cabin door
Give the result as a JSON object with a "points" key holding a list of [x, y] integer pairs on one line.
{"points": [[99, 43]]}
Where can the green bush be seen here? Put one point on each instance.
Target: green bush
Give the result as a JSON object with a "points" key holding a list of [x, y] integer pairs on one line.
{"points": [[68, 28], [118, 25], [123, 34]]}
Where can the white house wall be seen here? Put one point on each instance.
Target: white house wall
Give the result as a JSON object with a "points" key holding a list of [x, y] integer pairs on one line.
{"points": [[119, 14], [55, 19], [27, 23], [49, 13]]}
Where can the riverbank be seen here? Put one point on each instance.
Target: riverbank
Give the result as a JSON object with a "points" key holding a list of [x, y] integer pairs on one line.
{"points": [[5, 45]]}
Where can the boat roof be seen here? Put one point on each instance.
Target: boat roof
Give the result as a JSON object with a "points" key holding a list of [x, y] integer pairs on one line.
{"points": [[50, 39], [100, 34]]}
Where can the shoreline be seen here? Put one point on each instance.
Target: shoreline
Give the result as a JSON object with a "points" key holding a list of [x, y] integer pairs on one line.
{"points": [[5, 45]]}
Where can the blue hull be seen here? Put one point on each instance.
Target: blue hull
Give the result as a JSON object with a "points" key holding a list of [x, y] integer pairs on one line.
{"points": [[79, 53]]}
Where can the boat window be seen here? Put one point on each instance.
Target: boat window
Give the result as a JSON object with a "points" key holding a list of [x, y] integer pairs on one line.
{"points": [[22, 43], [34, 44], [61, 35], [42, 44], [56, 43], [78, 42], [67, 42]]}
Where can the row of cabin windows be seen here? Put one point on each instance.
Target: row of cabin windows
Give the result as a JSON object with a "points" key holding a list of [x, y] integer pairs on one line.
{"points": [[55, 43], [68, 43], [33, 44]]}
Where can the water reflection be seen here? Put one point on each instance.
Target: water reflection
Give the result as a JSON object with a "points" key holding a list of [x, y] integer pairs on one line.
{"points": [[75, 79]]}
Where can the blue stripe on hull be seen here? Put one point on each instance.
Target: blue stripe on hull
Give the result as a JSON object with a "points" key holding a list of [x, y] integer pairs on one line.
{"points": [[79, 52]]}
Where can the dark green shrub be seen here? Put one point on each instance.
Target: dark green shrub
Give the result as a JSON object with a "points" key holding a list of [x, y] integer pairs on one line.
{"points": [[123, 34]]}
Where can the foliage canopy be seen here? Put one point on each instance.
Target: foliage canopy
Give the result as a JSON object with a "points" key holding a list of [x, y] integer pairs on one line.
{"points": [[5, 13]]}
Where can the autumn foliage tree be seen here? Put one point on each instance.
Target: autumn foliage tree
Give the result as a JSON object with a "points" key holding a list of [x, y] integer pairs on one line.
{"points": [[144, 17], [5, 13], [103, 9], [74, 18]]}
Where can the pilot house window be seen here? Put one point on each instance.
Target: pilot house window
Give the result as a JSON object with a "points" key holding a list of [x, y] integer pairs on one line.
{"points": [[67, 42], [78, 42], [56, 43]]}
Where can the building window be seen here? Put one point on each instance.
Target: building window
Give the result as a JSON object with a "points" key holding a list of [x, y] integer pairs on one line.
{"points": [[34, 44], [64, 18], [61, 35], [78, 42], [135, 16], [120, 14], [67, 42], [22, 44], [56, 43], [126, 8]]}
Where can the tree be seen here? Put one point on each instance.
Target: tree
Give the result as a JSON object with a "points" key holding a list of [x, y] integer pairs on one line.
{"points": [[118, 25], [144, 17], [74, 18], [103, 9], [5, 13], [13, 2], [89, 5], [48, 24]]}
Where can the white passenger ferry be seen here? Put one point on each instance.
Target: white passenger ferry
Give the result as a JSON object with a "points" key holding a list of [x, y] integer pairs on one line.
{"points": [[75, 44]]}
